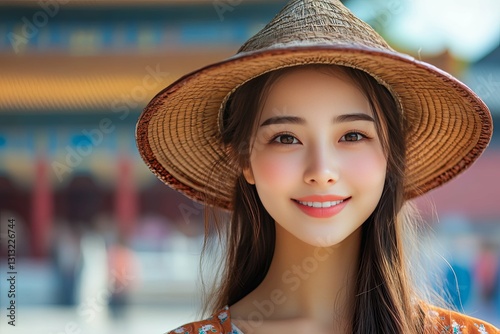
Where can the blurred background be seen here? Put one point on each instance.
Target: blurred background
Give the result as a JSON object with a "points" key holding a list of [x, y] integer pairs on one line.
{"points": [[101, 245]]}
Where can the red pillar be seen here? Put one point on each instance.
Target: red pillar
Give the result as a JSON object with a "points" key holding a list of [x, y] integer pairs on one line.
{"points": [[42, 207], [126, 206]]}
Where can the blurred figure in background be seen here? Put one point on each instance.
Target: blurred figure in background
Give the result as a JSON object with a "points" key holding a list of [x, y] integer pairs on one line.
{"points": [[122, 275], [67, 261], [80, 203], [487, 273]]}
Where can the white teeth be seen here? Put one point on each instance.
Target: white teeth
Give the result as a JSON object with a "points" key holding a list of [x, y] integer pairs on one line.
{"points": [[321, 204]]}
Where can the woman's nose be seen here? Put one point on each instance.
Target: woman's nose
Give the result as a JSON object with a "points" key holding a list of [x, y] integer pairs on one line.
{"points": [[322, 168]]}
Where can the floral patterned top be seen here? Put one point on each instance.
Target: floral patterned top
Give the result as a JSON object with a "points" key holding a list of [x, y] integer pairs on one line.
{"points": [[442, 321]]}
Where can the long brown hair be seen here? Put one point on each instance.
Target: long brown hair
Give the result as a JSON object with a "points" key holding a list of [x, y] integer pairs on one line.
{"points": [[385, 299]]}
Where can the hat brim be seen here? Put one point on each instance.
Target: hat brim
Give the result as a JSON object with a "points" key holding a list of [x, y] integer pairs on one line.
{"points": [[178, 135]]}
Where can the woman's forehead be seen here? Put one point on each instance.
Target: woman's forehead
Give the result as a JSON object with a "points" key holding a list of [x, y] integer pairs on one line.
{"points": [[304, 90]]}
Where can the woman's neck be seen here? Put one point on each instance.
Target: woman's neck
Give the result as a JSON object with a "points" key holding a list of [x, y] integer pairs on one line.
{"points": [[305, 282]]}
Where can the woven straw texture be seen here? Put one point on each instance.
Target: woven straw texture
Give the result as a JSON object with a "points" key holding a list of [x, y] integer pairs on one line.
{"points": [[178, 134]]}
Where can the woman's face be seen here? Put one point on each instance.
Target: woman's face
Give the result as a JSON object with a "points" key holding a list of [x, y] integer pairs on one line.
{"points": [[316, 160]]}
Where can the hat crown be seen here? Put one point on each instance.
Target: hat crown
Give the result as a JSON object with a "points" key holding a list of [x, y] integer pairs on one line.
{"points": [[315, 22]]}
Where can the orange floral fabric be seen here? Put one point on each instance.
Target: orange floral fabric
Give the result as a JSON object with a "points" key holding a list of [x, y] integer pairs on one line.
{"points": [[440, 320], [446, 321]]}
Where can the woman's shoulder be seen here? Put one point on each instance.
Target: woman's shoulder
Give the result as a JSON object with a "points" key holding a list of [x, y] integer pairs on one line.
{"points": [[219, 322], [446, 321]]}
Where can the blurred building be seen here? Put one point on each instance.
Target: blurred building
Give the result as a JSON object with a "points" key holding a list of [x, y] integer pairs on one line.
{"points": [[74, 79]]}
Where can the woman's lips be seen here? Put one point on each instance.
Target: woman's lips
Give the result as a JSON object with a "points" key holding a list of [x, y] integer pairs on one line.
{"points": [[321, 198], [321, 206]]}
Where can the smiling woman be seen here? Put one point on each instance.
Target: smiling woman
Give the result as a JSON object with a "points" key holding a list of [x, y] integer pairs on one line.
{"points": [[315, 188], [321, 157], [314, 137]]}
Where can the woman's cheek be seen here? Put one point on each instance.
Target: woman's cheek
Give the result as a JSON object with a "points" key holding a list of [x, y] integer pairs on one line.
{"points": [[272, 169], [367, 169]]}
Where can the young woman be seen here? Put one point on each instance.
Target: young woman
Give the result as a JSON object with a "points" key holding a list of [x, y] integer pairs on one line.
{"points": [[314, 137]]}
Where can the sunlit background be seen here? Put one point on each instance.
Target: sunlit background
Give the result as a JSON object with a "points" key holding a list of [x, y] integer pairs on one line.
{"points": [[101, 245]]}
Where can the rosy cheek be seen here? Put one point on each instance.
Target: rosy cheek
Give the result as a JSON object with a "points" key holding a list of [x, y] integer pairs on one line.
{"points": [[271, 169], [367, 169]]}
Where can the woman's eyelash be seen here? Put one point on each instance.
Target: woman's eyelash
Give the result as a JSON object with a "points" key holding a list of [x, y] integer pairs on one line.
{"points": [[274, 138], [357, 133]]}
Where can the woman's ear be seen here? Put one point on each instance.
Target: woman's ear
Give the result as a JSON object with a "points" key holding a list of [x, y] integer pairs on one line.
{"points": [[248, 175]]}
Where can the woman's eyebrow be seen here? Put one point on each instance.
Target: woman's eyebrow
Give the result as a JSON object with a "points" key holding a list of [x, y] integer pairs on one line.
{"points": [[283, 120], [353, 117], [298, 120]]}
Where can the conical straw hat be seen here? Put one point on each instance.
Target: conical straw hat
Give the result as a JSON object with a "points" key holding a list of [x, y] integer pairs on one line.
{"points": [[178, 135]]}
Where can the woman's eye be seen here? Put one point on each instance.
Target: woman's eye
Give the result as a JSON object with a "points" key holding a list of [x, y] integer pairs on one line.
{"points": [[352, 136], [286, 139]]}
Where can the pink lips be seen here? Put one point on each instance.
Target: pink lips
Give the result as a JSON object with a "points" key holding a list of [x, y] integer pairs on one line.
{"points": [[326, 210]]}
